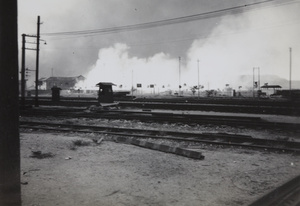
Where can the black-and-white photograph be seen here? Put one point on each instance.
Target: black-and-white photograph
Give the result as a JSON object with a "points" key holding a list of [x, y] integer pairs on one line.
{"points": [[150, 102]]}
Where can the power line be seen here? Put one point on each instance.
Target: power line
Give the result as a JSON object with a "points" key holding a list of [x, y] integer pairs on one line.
{"points": [[209, 36], [205, 15], [190, 38]]}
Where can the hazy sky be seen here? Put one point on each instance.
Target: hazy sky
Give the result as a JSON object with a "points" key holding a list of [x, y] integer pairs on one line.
{"points": [[227, 44]]}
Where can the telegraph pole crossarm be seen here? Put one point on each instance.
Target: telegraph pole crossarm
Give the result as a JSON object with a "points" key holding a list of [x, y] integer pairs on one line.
{"points": [[30, 49], [28, 35]]}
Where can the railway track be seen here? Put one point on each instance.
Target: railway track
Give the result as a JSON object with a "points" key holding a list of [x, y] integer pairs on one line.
{"points": [[169, 117], [220, 139], [237, 108], [218, 105]]}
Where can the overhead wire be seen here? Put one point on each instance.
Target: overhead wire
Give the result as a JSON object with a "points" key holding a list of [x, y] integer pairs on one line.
{"points": [[205, 15], [205, 36]]}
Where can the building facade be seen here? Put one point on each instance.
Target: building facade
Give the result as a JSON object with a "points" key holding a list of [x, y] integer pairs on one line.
{"points": [[65, 83]]}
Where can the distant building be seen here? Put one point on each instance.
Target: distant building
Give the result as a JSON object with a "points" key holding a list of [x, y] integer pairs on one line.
{"points": [[65, 83], [42, 84], [265, 88]]}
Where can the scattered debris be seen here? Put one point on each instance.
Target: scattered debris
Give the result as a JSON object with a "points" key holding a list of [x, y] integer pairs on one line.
{"points": [[31, 170], [114, 192], [80, 143], [40, 155], [91, 108], [36, 152], [100, 140], [161, 147]]}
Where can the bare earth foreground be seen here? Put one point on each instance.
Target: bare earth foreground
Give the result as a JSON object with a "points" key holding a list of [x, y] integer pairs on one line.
{"points": [[118, 174]]}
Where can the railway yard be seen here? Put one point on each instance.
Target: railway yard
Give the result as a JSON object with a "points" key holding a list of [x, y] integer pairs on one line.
{"points": [[161, 152]]}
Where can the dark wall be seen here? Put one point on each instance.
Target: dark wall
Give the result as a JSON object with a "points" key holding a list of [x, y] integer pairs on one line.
{"points": [[10, 190]]}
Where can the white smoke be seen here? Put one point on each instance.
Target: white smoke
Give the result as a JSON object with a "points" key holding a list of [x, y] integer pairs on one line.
{"points": [[236, 45], [115, 65]]}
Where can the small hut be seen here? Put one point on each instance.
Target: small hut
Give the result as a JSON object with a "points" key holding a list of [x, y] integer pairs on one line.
{"points": [[55, 93], [105, 94]]}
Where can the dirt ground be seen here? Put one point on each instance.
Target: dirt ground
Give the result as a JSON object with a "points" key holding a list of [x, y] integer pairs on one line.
{"points": [[118, 174]]}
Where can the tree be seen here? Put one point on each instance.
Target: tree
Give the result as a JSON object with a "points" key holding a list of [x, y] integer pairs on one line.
{"points": [[193, 89], [211, 92]]}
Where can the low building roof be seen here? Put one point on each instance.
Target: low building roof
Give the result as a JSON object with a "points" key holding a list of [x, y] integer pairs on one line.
{"points": [[271, 86], [60, 79], [105, 84], [55, 88], [64, 78], [42, 79]]}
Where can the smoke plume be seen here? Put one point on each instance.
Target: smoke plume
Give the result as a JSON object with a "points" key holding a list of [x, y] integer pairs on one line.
{"points": [[238, 43]]}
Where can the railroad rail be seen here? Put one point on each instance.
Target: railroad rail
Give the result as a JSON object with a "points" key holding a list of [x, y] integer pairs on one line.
{"points": [[223, 139], [287, 194], [205, 104], [237, 108], [170, 117]]}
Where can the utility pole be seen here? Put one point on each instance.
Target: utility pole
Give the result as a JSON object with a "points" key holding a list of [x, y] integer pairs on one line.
{"points": [[23, 81], [290, 72], [37, 62], [253, 83], [256, 84], [132, 83], [198, 80], [258, 78], [179, 58], [23, 72]]}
